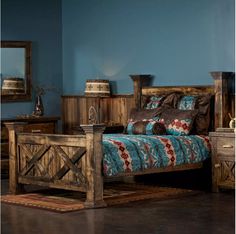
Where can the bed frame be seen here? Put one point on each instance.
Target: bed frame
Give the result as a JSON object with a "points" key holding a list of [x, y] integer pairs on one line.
{"points": [[73, 162]]}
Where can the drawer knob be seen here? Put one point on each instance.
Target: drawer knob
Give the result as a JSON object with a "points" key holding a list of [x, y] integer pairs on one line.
{"points": [[217, 165], [36, 130], [227, 146]]}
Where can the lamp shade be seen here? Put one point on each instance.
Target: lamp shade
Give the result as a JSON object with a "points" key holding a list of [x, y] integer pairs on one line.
{"points": [[97, 88], [13, 85]]}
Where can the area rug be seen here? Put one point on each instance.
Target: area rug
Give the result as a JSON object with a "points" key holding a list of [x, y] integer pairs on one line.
{"points": [[114, 194]]}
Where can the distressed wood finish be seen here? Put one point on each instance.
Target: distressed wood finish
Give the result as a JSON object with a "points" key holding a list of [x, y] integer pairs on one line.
{"points": [[111, 110], [139, 81], [223, 160], [44, 124], [13, 128], [53, 164], [224, 97], [184, 89], [94, 157], [72, 162], [161, 170]]}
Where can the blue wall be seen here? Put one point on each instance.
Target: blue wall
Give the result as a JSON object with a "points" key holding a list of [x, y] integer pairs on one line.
{"points": [[178, 42], [38, 21]]}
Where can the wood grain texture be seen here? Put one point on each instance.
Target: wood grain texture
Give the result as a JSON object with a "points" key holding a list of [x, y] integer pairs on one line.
{"points": [[224, 97], [111, 110], [13, 128], [94, 155], [46, 159], [138, 81], [43, 124], [158, 90], [223, 160]]}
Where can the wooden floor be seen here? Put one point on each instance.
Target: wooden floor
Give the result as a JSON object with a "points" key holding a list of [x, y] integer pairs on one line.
{"points": [[203, 213]]}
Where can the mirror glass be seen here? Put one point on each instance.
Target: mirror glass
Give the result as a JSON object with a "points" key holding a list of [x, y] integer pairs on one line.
{"points": [[15, 71]]}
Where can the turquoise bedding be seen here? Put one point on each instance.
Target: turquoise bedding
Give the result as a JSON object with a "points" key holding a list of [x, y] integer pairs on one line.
{"points": [[132, 153]]}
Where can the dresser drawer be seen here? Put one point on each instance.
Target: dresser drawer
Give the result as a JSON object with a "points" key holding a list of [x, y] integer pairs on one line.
{"points": [[40, 128], [225, 146]]}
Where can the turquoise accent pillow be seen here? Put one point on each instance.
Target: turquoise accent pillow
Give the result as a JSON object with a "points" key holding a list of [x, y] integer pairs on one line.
{"points": [[153, 102], [187, 103]]}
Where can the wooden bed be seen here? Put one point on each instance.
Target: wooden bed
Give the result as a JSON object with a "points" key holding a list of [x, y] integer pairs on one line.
{"points": [[74, 162]]}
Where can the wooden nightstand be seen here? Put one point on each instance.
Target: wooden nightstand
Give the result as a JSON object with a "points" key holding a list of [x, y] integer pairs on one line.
{"points": [[223, 159]]}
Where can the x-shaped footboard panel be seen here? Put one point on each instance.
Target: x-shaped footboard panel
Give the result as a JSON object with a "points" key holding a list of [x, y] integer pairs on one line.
{"points": [[52, 164]]}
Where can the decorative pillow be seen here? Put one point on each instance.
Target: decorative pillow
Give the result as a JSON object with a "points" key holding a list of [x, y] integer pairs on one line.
{"points": [[172, 99], [178, 122], [202, 121], [187, 103], [136, 115], [201, 103], [146, 127], [153, 102]]}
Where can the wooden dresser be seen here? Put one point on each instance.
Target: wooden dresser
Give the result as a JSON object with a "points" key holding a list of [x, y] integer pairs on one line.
{"points": [[39, 124], [223, 159]]}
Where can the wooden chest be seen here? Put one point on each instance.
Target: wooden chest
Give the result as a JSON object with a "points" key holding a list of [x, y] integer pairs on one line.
{"points": [[223, 159]]}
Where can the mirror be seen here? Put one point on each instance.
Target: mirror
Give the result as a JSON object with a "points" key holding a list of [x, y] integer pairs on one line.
{"points": [[16, 71]]}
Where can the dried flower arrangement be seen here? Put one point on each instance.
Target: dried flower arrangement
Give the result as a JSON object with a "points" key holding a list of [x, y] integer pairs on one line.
{"points": [[41, 90]]}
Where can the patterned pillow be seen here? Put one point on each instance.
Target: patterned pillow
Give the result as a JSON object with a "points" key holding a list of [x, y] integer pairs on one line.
{"points": [[153, 102], [178, 122], [146, 127], [201, 103], [187, 103], [179, 127]]}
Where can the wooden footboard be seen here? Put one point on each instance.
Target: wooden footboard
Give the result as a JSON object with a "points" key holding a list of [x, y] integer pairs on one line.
{"points": [[72, 162]]}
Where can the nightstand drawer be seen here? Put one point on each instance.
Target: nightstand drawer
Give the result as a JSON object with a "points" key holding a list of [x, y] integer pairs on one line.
{"points": [[40, 128], [226, 146]]}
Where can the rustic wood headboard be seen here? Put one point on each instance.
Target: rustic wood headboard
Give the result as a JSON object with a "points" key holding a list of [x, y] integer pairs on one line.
{"points": [[223, 93]]}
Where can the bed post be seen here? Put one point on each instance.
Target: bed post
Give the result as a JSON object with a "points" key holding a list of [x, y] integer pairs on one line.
{"points": [[13, 129], [94, 155], [139, 81], [224, 97]]}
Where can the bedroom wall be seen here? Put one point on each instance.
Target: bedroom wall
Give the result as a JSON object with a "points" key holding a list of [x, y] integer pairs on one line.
{"points": [[38, 21], [178, 42]]}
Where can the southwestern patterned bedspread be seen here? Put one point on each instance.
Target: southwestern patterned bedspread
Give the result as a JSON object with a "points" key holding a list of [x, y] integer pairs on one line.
{"points": [[130, 153]]}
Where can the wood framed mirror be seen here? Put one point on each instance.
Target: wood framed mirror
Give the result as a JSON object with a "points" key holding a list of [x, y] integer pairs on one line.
{"points": [[16, 71]]}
